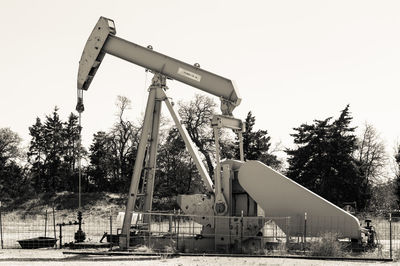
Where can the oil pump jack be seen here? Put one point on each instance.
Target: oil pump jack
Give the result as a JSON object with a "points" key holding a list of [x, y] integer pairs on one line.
{"points": [[239, 186]]}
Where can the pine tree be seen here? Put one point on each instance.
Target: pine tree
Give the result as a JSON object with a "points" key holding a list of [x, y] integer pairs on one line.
{"points": [[256, 144], [37, 155], [71, 135], [54, 147], [53, 153], [323, 161], [71, 152], [101, 162], [308, 163]]}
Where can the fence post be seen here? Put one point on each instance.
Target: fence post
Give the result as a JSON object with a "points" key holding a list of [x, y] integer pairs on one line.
{"points": [[60, 235], [305, 231], [1, 228], [174, 221], [191, 218], [241, 231], [149, 229], [230, 235], [390, 233], [262, 252], [215, 232], [54, 223], [170, 227], [287, 232], [177, 234], [170, 223], [111, 239], [45, 225]]}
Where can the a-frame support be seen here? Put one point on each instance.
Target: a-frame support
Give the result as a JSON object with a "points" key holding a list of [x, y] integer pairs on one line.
{"points": [[149, 143], [147, 130]]}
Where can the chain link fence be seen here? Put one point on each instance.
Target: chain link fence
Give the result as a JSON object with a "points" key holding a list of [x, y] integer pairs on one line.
{"points": [[161, 232]]}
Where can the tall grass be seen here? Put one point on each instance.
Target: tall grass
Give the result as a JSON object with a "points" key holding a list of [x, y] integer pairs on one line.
{"points": [[327, 246]]}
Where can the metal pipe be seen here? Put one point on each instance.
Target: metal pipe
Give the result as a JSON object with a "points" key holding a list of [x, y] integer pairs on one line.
{"points": [[390, 232], [240, 134], [152, 160], [218, 189]]}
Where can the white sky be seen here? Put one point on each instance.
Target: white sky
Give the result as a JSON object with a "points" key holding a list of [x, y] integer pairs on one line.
{"points": [[293, 61]]}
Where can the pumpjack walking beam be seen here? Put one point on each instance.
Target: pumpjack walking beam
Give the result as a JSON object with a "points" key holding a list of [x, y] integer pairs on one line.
{"points": [[103, 40]]}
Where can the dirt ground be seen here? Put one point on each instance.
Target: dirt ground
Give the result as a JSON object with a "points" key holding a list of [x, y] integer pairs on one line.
{"points": [[49, 257]]}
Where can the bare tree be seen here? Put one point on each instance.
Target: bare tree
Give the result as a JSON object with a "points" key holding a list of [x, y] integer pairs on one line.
{"points": [[124, 137], [371, 154], [384, 196], [196, 116]]}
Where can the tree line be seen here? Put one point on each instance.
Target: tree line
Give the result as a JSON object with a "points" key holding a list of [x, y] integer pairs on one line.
{"points": [[327, 157]]}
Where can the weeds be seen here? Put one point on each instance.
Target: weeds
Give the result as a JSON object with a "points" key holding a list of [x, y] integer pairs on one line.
{"points": [[327, 246], [396, 255]]}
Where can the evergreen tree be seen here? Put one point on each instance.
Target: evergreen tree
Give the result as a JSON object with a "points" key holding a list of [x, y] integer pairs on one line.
{"points": [[13, 184], [71, 152], [71, 135], [37, 155], [54, 148], [308, 163], [256, 144], [53, 153], [323, 161], [101, 162]]}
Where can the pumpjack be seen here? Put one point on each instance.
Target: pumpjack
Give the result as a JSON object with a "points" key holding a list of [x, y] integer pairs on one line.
{"points": [[240, 186]]}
